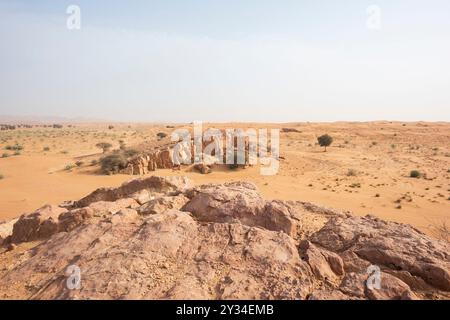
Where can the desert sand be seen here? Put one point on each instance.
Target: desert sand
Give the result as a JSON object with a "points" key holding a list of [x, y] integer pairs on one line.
{"points": [[366, 169]]}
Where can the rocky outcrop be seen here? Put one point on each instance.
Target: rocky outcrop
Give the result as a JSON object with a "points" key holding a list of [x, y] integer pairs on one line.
{"points": [[40, 224], [163, 239], [150, 161], [153, 184], [6, 229]]}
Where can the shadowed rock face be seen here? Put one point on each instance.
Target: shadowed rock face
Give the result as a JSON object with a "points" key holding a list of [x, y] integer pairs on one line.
{"points": [[159, 238]]}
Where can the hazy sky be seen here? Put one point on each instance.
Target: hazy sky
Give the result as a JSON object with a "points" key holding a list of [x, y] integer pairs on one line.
{"points": [[228, 60]]}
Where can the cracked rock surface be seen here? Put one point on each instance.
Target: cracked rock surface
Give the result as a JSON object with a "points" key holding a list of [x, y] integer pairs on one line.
{"points": [[162, 238]]}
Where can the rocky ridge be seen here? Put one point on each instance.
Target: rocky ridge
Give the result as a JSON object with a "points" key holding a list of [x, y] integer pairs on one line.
{"points": [[162, 238]]}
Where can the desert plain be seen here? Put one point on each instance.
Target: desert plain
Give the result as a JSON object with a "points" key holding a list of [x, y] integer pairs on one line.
{"points": [[366, 170]]}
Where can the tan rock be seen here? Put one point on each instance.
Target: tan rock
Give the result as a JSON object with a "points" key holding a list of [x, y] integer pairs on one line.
{"points": [[161, 204], [40, 224]]}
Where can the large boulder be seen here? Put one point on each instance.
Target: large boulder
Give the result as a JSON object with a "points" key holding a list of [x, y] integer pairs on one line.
{"points": [[154, 184], [217, 242], [388, 245], [40, 224]]}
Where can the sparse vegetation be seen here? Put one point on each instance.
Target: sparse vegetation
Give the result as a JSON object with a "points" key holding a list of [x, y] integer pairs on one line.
{"points": [[351, 172], [325, 141], [105, 146], [415, 174], [161, 135], [355, 185], [442, 230], [113, 163], [1, 176], [69, 167], [16, 147], [5, 155], [46, 149]]}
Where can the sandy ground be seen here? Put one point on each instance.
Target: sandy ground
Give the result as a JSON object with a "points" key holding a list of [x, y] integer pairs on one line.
{"points": [[366, 170]]}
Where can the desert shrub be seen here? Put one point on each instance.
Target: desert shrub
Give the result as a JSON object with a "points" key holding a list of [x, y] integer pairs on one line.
{"points": [[14, 147], [79, 163], [374, 143], [17, 153], [105, 146], [113, 163], [46, 149], [351, 172], [57, 126], [415, 174], [325, 140], [69, 167], [5, 155], [130, 152], [110, 127], [161, 135], [1, 176], [64, 152], [94, 162], [393, 146]]}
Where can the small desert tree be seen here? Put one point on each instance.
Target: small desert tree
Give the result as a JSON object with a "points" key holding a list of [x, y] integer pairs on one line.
{"points": [[105, 146], [325, 140]]}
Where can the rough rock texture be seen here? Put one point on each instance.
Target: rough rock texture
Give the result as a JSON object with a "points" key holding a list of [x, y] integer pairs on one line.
{"points": [[157, 239], [152, 184], [38, 225]]}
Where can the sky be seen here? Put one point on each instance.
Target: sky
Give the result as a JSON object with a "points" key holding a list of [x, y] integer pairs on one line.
{"points": [[233, 60]]}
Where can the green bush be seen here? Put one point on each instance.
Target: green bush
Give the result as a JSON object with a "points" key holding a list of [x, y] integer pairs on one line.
{"points": [[325, 140], [113, 163], [105, 146], [415, 174]]}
